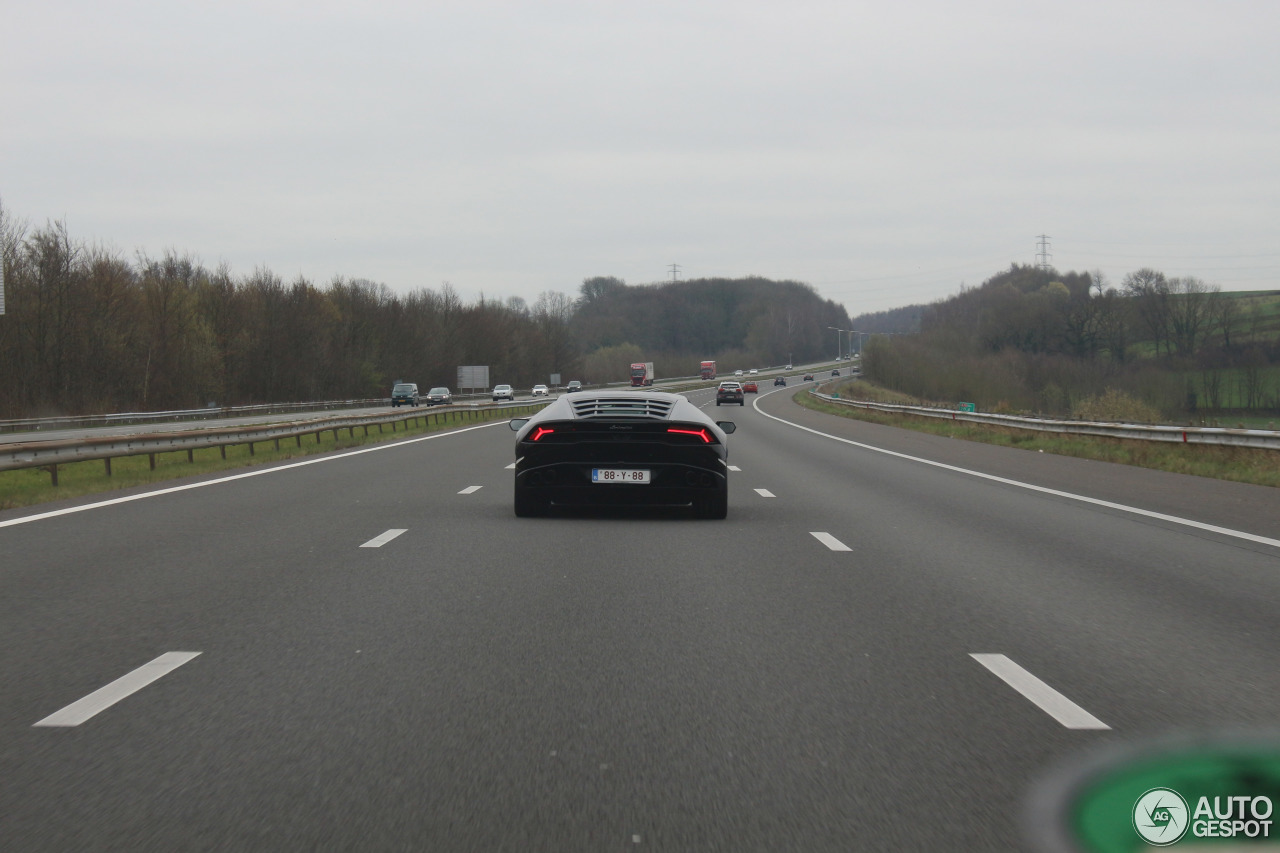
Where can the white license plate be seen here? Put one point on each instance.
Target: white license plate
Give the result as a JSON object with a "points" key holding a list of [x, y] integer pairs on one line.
{"points": [[619, 475]]}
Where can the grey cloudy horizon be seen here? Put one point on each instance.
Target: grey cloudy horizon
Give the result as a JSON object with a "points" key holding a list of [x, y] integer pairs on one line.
{"points": [[883, 154]]}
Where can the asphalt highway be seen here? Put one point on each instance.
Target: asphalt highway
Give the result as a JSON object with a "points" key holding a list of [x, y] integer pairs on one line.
{"points": [[890, 638]]}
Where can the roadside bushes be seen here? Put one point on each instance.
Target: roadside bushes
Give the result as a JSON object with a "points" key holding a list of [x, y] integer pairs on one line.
{"points": [[1115, 406], [1016, 382]]}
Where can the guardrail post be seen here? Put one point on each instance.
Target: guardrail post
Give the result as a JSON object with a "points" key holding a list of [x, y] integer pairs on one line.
{"points": [[53, 473], [152, 457], [251, 453], [223, 448], [299, 438], [191, 455], [108, 461]]}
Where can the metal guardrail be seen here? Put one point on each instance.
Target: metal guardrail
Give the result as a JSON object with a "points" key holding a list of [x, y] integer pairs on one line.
{"points": [[206, 414], [215, 412], [51, 454], [1261, 438], [209, 413]]}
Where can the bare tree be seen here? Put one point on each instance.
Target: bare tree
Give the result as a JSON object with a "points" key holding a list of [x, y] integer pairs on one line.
{"points": [[1149, 290], [1189, 312]]}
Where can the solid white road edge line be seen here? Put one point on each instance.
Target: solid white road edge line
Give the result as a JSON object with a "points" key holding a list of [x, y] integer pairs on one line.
{"points": [[830, 541], [258, 473], [470, 489], [1145, 513], [1040, 694], [383, 538], [124, 686]]}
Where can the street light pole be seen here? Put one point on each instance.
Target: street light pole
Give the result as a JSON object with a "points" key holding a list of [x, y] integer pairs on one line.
{"points": [[837, 331]]}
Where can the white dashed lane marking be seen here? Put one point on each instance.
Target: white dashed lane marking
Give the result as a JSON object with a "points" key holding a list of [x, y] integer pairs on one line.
{"points": [[765, 493], [469, 489], [383, 538], [124, 686], [512, 465], [1040, 694], [734, 468], [830, 541]]}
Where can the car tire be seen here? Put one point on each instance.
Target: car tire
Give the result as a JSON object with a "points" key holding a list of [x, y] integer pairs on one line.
{"points": [[528, 505], [714, 506]]}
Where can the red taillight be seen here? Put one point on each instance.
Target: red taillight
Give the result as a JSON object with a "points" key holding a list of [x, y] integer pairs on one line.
{"points": [[701, 433], [540, 432]]}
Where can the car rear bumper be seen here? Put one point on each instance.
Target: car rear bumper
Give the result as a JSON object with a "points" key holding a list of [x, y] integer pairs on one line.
{"points": [[569, 485]]}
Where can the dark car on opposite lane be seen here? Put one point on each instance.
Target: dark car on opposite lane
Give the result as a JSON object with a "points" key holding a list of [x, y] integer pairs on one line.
{"points": [[405, 393], [439, 396], [613, 449]]}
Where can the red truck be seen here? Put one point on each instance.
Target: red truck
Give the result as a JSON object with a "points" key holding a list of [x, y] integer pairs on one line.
{"points": [[708, 370], [642, 373]]}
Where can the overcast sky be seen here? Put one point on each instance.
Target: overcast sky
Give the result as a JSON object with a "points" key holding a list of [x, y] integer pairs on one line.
{"points": [[884, 153]]}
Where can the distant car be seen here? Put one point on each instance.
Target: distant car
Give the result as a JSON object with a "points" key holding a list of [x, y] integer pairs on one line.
{"points": [[808, 377], [781, 380], [540, 391], [788, 367], [835, 372], [406, 393], [754, 371], [503, 392], [439, 397], [574, 385], [750, 388], [737, 373], [606, 448], [730, 392]]}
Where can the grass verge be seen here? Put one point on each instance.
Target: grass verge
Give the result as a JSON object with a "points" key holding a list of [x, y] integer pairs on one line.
{"points": [[31, 486], [1242, 464]]}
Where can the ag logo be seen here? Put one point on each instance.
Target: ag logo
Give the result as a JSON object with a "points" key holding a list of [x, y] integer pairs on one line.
{"points": [[1160, 816]]}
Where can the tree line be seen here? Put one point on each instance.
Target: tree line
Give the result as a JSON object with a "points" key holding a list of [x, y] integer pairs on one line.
{"points": [[87, 330], [742, 323], [1036, 339], [90, 330]]}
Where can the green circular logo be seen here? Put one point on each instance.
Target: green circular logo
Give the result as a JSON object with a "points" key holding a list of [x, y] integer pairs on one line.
{"points": [[1160, 817]]}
